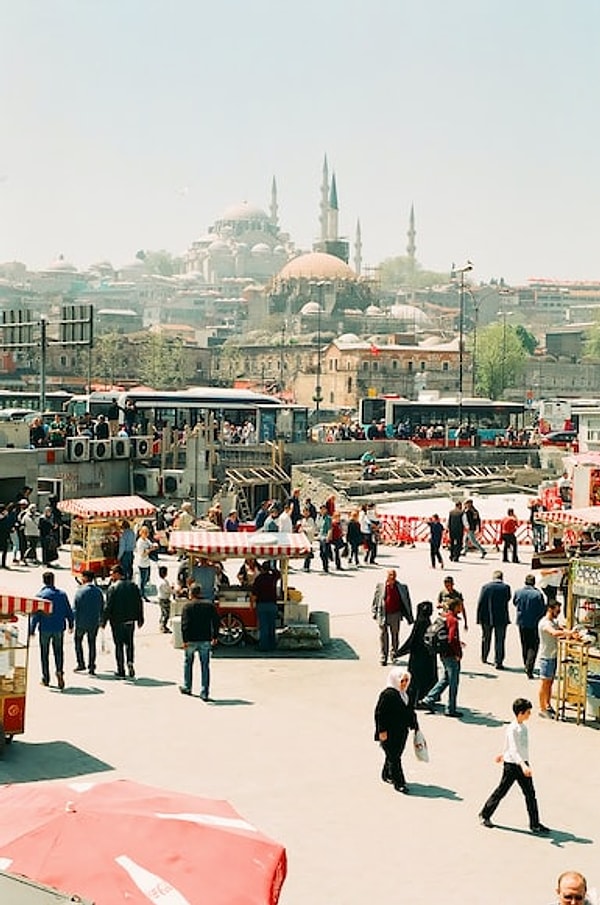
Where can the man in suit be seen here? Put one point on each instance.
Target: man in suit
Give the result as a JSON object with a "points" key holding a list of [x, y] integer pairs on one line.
{"points": [[391, 604], [492, 616]]}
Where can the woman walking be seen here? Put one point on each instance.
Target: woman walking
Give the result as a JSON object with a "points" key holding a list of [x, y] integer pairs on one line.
{"points": [[422, 664], [354, 537], [394, 716]]}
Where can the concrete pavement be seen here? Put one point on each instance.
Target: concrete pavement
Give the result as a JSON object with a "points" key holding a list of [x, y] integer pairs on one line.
{"points": [[288, 740]]}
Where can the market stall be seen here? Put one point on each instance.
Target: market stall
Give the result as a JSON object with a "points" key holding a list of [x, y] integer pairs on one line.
{"points": [[14, 654], [96, 526], [236, 610]]}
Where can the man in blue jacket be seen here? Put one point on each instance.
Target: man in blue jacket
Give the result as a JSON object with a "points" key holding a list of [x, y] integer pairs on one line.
{"points": [[531, 606], [52, 629], [492, 616], [88, 605]]}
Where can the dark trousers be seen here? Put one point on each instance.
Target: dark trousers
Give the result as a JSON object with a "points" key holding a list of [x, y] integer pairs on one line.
{"points": [[512, 773], [456, 541], [499, 643], [371, 551], [436, 556], [510, 543], [325, 553], [126, 562], [56, 640], [80, 634], [354, 547], [392, 768], [122, 633], [267, 621], [530, 642]]}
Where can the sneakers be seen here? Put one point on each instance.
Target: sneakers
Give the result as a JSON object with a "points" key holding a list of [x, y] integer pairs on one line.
{"points": [[427, 705], [483, 554], [454, 713], [79, 669], [184, 690], [551, 711], [131, 670], [540, 830], [204, 696], [485, 821]]}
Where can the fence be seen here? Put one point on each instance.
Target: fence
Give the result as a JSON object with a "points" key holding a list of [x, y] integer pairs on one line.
{"points": [[402, 530]]}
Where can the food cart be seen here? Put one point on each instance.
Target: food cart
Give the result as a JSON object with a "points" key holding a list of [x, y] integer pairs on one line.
{"points": [[95, 529], [236, 611], [14, 653]]}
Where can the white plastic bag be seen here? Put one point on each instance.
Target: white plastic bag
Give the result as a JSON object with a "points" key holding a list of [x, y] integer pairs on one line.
{"points": [[420, 746]]}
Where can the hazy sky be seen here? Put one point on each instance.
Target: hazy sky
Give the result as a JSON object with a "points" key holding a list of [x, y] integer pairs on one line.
{"points": [[131, 124]]}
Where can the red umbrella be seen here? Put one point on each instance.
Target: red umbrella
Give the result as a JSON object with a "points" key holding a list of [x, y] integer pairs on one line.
{"points": [[124, 842]]}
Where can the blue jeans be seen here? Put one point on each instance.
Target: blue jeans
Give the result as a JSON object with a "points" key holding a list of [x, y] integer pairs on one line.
{"points": [[202, 648], [449, 681], [56, 639], [267, 622], [126, 562], [144, 578]]}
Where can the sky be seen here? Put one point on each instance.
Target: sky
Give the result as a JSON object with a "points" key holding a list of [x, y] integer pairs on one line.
{"points": [[132, 124]]}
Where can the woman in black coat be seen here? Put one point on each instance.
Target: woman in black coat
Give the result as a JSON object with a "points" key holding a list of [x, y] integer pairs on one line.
{"points": [[422, 663], [394, 716]]}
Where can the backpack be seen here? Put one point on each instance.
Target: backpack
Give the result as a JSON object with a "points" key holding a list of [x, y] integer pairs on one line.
{"points": [[436, 637]]}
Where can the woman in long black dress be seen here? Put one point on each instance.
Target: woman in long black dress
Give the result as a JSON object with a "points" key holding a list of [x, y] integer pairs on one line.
{"points": [[422, 663], [394, 716]]}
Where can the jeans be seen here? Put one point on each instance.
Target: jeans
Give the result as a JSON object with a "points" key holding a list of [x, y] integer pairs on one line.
{"points": [[512, 773], [126, 563], [471, 539], [499, 643], [122, 633], [530, 642], [202, 648], [324, 553], [80, 634], [56, 639], [144, 579], [449, 681], [538, 532], [267, 620]]}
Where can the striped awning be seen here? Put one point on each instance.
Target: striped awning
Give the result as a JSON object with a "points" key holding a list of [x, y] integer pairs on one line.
{"points": [[588, 515], [107, 507], [11, 605], [241, 543]]}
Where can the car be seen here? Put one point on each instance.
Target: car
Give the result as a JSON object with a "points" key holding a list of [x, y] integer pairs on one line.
{"points": [[559, 438]]}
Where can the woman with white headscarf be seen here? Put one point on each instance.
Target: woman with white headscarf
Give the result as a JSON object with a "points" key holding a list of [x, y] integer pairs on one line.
{"points": [[394, 716]]}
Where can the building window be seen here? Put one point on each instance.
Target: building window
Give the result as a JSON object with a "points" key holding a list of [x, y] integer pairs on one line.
{"points": [[63, 361], [394, 364], [349, 389], [409, 366], [332, 397], [365, 365], [444, 366], [423, 365], [375, 366]]}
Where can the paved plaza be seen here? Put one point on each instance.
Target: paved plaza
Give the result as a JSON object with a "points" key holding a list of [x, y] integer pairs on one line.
{"points": [[288, 740]]}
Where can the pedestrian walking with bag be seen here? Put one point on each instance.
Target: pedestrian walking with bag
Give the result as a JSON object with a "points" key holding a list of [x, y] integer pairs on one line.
{"points": [[449, 647], [394, 718]]}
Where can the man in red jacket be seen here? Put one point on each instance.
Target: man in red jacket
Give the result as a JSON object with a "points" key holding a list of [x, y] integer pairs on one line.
{"points": [[508, 529], [450, 658]]}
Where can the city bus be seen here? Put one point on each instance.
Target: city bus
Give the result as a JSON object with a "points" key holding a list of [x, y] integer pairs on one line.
{"points": [[30, 400], [439, 419]]}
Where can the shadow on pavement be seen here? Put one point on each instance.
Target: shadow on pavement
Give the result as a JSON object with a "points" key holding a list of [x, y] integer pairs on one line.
{"points": [[28, 762], [472, 717], [230, 702], [554, 837], [337, 649], [75, 690], [422, 791]]}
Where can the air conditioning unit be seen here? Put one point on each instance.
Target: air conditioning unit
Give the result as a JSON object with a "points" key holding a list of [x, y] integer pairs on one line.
{"points": [[100, 449], [142, 447], [172, 481], [147, 481], [121, 447], [77, 449]]}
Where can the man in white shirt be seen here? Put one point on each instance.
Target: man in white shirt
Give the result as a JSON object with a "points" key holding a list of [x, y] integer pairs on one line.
{"points": [[549, 632], [515, 761]]}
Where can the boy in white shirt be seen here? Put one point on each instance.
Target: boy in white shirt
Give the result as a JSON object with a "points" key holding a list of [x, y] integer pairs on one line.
{"points": [[165, 592], [515, 760]]}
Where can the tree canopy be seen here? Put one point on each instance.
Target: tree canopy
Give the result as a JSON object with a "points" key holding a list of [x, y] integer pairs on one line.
{"points": [[499, 359], [395, 273]]}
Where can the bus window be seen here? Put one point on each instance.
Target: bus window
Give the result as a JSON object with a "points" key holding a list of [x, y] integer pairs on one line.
{"points": [[372, 410]]}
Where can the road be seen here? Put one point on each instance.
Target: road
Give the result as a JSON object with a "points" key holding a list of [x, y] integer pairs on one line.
{"points": [[288, 740]]}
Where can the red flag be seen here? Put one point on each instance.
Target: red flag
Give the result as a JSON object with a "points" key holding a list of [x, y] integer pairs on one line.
{"points": [[375, 350]]}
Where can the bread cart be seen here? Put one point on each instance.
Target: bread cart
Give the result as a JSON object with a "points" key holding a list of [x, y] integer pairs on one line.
{"points": [[14, 653], [237, 613], [96, 526]]}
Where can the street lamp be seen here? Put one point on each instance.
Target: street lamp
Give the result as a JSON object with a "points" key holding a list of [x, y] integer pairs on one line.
{"points": [[318, 396], [461, 329]]}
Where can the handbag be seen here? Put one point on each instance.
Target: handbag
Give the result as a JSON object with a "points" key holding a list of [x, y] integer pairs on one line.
{"points": [[420, 746]]}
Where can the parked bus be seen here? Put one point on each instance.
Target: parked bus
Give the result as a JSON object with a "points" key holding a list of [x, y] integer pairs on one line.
{"points": [[438, 420], [270, 418], [562, 414], [30, 400]]}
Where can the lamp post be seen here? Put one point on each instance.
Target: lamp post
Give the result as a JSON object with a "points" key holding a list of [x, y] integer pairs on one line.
{"points": [[318, 396], [461, 329]]}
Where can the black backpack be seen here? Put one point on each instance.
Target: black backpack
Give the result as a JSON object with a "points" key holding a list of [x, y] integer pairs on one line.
{"points": [[436, 637]]}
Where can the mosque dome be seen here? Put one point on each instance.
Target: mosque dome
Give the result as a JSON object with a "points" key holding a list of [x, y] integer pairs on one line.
{"points": [[409, 313], [279, 250], [219, 246], [310, 308], [348, 338], [261, 248], [61, 265], [374, 311], [244, 211], [317, 266]]}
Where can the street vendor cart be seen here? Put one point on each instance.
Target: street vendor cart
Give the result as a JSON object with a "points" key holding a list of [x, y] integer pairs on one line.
{"points": [[237, 612], [96, 526], [14, 653]]}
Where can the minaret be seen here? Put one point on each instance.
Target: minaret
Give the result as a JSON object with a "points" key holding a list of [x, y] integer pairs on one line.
{"points": [[358, 250], [273, 211], [323, 217], [411, 247], [332, 213]]}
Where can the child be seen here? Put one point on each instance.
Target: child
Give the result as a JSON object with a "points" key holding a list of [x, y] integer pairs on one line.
{"points": [[165, 592], [436, 532], [515, 760]]}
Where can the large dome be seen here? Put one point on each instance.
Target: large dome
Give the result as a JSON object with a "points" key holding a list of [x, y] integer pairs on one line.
{"points": [[409, 313], [244, 211], [316, 266]]}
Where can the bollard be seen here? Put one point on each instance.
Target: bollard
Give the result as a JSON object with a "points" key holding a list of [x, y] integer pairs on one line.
{"points": [[176, 629], [321, 620]]}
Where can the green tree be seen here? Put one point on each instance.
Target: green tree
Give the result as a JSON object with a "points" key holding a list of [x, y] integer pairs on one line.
{"points": [[527, 339], [161, 262], [591, 347], [111, 359], [499, 359], [162, 362], [395, 273]]}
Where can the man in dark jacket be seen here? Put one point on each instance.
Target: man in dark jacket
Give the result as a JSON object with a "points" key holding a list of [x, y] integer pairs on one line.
{"points": [[455, 531], [531, 606], [492, 616], [124, 607], [264, 595], [200, 632], [52, 629], [391, 604], [88, 605]]}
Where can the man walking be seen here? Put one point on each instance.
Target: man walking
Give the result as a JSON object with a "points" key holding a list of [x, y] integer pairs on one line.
{"points": [[492, 616], [264, 594], [549, 632], [391, 604], [450, 592], [471, 525], [52, 629], [88, 605], [455, 531], [450, 658], [199, 632], [531, 606], [124, 607]]}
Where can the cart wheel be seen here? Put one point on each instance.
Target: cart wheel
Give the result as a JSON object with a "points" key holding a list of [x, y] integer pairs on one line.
{"points": [[8, 739], [231, 630]]}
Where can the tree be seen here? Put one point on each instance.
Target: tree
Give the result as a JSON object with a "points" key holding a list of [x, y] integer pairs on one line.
{"points": [[162, 362], [500, 359], [527, 339], [161, 262], [112, 358], [591, 348], [395, 273]]}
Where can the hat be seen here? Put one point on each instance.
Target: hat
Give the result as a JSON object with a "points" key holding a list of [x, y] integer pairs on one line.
{"points": [[23, 502]]}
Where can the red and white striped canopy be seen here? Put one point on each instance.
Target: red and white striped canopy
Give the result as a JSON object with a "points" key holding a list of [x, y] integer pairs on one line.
{"points": [[241, 543], [588, 515], [107, 507], [11, 605]]}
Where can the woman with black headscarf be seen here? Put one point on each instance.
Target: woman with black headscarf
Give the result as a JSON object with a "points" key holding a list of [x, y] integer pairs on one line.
{"points": [[394, 716], [422, 663]]}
